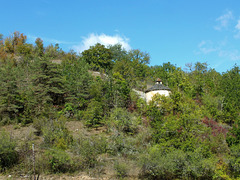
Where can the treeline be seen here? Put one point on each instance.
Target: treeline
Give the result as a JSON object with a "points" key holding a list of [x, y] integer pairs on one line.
{"points": [[193, 134]]}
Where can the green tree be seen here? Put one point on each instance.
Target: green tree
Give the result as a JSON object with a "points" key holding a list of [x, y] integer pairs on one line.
{"points": [[124, 67], [118, 52], [163, 72], [53, 52], [10, 102], [234, 162], [16, 44], [213, 81], [230, 86], [39, 49], [233, 137], [77, 81], [94, 114], [140, 60], [98, 57], [132, 65], [48, 84], [121, 91], [198, 78]]}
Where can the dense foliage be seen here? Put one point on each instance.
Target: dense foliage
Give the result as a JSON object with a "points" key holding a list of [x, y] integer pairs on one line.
{"points": [[193, 134]]}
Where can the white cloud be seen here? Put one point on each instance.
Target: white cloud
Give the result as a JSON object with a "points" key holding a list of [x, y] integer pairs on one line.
{"points": [[221, 49], [232, 55], [237, 27], [103, 39], [224, 20], [206, 47]]}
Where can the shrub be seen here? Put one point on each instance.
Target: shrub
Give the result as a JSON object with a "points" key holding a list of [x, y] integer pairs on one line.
{"points": [[58, 161], [8, 154], [121, 169], [68, 110], [88, 149], [120, 144], [54, 131], [200, 166], [123, 121], [156, 165], [172, 164], [217, 128], [233, 136], [234, 162]]}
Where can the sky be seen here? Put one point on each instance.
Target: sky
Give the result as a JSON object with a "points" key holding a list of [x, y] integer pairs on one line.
{"points": [[175, 31]]}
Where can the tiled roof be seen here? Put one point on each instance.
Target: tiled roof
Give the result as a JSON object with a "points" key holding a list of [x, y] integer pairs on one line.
{"points": [[157, 87]]}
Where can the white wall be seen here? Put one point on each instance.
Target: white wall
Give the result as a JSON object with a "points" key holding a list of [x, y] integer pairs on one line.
{"points": [[140, 93], [150, 94]]}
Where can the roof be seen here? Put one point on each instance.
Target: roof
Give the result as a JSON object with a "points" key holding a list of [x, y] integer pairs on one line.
{"points": [[157, 87], [158, 80]]}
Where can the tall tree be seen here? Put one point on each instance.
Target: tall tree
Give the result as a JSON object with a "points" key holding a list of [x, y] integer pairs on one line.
{"points": [[163, 71], [39, 49], [3, 54], [98, 57], [10, 102], [231, 93], [140, 60], [77, 80], [198, 78], [118, 52], [48, 84], [53, 52]]}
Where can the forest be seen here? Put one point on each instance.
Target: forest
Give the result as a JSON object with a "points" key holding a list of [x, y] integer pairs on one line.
{"points": [[192, 134]]}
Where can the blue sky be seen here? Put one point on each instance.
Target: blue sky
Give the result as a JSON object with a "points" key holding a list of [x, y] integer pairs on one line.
{"points": [[176, 31]]}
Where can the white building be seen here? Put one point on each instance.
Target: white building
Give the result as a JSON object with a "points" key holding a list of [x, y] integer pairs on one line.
{"points": [[158, 88]]}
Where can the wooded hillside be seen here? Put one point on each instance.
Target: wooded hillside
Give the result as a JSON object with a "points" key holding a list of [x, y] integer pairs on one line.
{"points": [[193, 134]]}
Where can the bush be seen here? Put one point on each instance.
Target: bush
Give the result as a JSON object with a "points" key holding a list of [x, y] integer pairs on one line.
{"points": [[233, 136], [123, 121], [54, 131], [234, 162], [88, 149], [58, 161], [8, 154], [174, 164], [68, 110], [200, 166], [157, 165], [121, 169], [120, 144]]}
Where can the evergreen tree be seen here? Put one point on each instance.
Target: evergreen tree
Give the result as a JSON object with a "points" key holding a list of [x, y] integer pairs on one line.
{"points": [[47, 84], [77, 81], [10, 102], [231, 93], [39, 49]]}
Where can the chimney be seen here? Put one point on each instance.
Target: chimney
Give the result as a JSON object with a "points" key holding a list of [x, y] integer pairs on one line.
{"points": [[158, 81]]}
